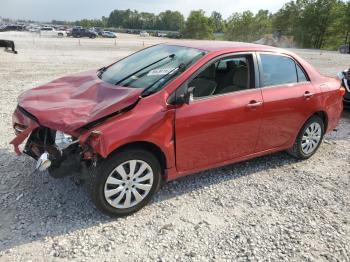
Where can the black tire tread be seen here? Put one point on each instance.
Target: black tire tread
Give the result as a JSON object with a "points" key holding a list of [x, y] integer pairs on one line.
{"points": [[295, 150]]}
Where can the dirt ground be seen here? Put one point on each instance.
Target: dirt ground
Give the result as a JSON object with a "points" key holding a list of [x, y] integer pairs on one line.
{"points": [[271, 208]]}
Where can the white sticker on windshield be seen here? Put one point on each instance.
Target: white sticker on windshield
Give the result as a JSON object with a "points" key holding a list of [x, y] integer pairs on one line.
{"points": [[160, 71]]}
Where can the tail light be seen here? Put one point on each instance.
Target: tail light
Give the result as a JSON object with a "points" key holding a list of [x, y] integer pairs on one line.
{"points": [[342, 91]]}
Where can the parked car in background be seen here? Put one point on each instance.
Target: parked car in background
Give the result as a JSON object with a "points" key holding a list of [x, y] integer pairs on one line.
{"points": [[160, 34], [83, 32], [133, 31], [11, 28], [171, 110], [97, 30], [33, 28], [344, 49], [51, 31], [144, 34], [109, 34]]}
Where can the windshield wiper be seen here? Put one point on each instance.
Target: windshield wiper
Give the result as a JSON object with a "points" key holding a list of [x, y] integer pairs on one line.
{"points": [[101, 71], [143, 68]]}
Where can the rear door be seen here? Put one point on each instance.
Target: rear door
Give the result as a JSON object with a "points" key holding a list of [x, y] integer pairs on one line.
{"points": [[222, 122], [289, 99]]}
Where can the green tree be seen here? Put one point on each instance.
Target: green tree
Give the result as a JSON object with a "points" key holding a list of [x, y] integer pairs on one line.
{"points": [[217, 21], [198, 26], [313, 23], [286, 19], [170, 20], [248, 27]]}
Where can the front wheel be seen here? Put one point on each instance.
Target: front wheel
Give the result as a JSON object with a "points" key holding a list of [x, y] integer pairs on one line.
{"points": [[309, 138], [125, 182]]}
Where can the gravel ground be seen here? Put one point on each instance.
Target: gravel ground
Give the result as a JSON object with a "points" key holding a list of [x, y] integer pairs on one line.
{"points": [[271, 208]]}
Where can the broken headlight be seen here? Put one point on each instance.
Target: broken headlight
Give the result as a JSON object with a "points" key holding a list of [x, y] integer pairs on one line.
{"points": [[62, 140]]}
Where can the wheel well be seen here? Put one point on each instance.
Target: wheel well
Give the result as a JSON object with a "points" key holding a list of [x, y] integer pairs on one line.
{"points": [[324, 117], [152, 148]]}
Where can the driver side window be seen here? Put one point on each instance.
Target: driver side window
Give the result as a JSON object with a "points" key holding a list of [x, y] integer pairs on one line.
{"points": [[223, 76]]}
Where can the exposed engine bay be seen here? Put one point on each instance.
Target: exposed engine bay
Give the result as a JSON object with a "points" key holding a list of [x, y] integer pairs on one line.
{"points": [[59, 153], [56, 151]]}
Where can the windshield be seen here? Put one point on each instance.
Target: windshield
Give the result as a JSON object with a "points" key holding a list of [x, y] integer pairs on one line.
{"points": [[151, 67]]}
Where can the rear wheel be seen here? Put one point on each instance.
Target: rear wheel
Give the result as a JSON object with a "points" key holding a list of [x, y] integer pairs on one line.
{"points": [[309, 138], [125, 182]]}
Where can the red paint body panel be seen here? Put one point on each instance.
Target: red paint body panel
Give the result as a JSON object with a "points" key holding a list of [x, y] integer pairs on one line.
{"points": [[73, 101], [150, 122], [206, 133], [285, 111], [217, 129]]}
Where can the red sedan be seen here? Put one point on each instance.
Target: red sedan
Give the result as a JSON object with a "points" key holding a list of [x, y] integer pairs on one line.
{"points": [[172, 110]]}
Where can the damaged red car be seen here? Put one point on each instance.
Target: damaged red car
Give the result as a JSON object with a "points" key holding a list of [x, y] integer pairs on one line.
{"points": [[171, 110]]}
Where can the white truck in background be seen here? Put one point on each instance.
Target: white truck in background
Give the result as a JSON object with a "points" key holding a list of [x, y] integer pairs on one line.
{"points": [[52, 32]]}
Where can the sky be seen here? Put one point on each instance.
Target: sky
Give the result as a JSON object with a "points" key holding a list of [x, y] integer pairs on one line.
{"points": [[71, 10]]}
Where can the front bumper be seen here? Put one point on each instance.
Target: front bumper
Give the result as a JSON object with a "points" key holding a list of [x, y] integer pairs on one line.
{"points": [[41, 141], [23, 124]]}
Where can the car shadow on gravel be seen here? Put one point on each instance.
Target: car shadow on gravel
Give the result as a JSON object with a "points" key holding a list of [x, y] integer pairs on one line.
{"points": [[34, 206], [222, 174], [343, 130]]}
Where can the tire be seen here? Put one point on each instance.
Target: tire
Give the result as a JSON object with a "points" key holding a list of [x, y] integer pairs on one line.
{"points": [[60, 35], [299, 149], [102, 192]]}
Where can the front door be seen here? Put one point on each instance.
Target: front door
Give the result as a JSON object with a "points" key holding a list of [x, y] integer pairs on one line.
{"points": [[222, 122]]}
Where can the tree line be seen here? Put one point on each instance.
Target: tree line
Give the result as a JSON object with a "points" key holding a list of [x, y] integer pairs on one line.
{"points": [[313, 23]]}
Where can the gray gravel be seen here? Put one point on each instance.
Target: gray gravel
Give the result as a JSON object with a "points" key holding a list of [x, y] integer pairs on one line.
{"points": [[271, 208]]}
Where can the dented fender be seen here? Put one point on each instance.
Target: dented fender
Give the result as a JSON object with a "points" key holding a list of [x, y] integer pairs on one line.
{"points": [[141, 125]]}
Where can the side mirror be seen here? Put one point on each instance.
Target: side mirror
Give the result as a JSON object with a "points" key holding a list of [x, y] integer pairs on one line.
{"points": [[187, 97]]}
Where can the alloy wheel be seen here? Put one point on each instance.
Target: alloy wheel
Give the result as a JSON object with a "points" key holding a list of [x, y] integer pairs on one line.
{"points": [[128, 184], [311, 138]]}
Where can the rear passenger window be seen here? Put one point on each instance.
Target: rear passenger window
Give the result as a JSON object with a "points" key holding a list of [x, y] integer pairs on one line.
{"points": [[301, 75], [278, 70]]}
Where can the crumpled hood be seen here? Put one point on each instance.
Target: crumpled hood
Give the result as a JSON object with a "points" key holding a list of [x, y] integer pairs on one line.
{"points": [[71, 102]]}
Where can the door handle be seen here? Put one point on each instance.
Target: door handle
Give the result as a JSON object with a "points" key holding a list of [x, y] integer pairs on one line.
{"points": [[254, 104], [308, 94]]}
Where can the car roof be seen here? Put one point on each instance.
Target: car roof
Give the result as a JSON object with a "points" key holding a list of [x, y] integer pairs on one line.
{"points": [[214, 46]]}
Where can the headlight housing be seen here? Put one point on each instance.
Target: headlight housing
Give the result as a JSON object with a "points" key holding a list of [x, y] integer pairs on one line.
{"points": [[62, 140]]}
